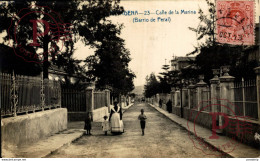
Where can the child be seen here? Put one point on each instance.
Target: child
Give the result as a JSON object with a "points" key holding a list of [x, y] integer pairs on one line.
{"points": [[142, 119], [105, 125], [88, 121]]}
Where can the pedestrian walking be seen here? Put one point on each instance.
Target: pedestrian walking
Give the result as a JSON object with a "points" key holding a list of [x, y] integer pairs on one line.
{"points": [[160, 103], [88, 120], [142, 119], [169, 106], [105, 125]]}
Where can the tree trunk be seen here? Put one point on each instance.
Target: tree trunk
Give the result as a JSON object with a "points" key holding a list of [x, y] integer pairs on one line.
{"points": [[46, 62], [45, 54]]}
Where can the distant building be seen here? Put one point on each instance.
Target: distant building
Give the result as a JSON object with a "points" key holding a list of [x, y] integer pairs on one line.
{"points": [[58, 73], [178, 63]]}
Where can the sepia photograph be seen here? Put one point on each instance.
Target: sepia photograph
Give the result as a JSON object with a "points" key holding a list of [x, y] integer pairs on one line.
{"points": [[84, 79]]}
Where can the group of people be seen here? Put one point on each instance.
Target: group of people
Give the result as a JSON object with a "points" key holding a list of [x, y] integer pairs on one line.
{"points": [[114, 123], [168, 105]]}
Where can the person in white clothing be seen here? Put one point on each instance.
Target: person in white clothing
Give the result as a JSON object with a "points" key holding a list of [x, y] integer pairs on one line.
{"points": [[105, 125], [115, 119]]}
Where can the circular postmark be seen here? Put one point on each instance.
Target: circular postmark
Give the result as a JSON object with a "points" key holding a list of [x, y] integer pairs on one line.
{"points": [[37, 34], [235, 22], [223, 118]]}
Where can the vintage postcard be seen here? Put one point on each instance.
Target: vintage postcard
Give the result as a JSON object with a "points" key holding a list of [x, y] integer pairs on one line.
{"points": [[130, 79]]}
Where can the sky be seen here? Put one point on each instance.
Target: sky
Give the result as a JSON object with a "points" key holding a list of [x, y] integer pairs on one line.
{"points": [[150, 43]]}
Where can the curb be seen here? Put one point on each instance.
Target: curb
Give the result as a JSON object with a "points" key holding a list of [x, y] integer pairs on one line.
{"points": [[127, 107], [225, 154], [64, 145]]}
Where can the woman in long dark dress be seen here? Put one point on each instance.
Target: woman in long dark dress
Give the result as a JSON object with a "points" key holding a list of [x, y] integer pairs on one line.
{"points": [[160, 103], [115, 119], [88, 120], [169, 106]]}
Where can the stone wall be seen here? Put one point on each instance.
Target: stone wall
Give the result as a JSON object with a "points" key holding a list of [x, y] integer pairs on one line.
{"points": [[98, 114], [176, 111], [164, 107], [246, 136], [202, 118], [220, 92], [25, 129]]}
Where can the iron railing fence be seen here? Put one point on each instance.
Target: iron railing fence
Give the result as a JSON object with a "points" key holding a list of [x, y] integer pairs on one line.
{"points": [[73, 99], [24, 94], [245, 99], [99, 99]]}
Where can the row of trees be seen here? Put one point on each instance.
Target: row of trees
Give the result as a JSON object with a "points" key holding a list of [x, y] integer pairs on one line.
{"points": [[167, 79], [209, 55], [89, 24]]}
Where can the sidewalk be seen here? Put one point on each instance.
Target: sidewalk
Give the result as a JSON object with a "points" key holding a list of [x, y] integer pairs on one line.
{"points": [[127, 107], [47, 146], [242, 150]]}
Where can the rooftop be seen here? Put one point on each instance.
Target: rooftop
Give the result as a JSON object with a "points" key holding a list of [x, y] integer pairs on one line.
{"points": [[183, 59]]}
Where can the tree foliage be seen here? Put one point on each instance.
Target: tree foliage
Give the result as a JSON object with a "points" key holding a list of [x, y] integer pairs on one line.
{"points": [[152, 86], [10, 62], [212, 55], [86, 17], [206, 27], [109, 65], [164, 84], [167, 80]]}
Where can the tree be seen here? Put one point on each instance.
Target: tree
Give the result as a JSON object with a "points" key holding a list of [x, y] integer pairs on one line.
{"points": [[109, 65], [85, 16], [10, 62], [190, 73], [164, 84], [173, 77], [151, 87], [213, 55], [90, 62], [71, 66], [132, 95], [206, 27]]}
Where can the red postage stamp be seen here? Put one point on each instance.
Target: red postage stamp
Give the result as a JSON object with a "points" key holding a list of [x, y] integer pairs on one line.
{"points": [[235, 22], [38, 33], [221, 118]]}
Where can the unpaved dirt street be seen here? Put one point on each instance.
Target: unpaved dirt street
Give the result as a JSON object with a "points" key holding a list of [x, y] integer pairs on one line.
{"points": [[163, 139]]}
